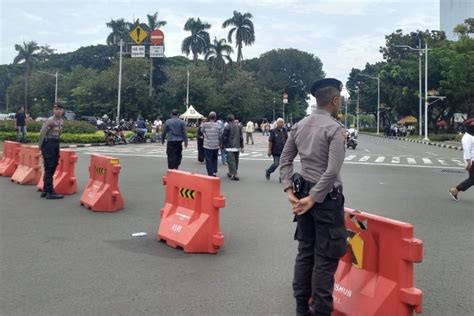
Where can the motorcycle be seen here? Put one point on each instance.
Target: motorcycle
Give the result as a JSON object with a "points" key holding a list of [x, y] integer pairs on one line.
{"points": [[352, 139], [138, 137], [114, 136]]}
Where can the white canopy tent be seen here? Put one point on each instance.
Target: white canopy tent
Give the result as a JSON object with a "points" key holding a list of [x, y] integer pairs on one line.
{"points": [[191, 113]]}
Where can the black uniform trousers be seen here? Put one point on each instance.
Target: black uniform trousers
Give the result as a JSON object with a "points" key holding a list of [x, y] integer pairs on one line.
{"points": [[50, 153], [322, 240], [469, 182], [174, 151]]}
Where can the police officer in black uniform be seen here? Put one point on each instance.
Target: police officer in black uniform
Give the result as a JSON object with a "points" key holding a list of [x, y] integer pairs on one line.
{"points": [[316, 199], [49, 145]]}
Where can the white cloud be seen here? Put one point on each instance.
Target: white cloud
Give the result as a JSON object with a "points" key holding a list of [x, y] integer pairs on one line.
{"points": [[33, 17]]}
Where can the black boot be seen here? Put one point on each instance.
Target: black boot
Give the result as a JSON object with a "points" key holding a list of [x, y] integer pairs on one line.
{"points": [[54, 196]]}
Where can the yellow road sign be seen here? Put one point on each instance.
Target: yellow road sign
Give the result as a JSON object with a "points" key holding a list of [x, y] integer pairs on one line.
{"points": [[138, 34], [356, 245]]}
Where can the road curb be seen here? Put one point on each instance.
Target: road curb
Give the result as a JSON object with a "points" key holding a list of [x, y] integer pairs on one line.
{"points": [[416, 141], [83, 145]]}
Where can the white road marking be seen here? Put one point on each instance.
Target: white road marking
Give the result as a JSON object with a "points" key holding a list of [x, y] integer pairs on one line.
{"points": [[431, 154], [350, 157], [395, 159], [459, 162], [367, 150], [442, 162], [411, 161], [257, 155], [365, 158], [380, 159], [427, 161]]}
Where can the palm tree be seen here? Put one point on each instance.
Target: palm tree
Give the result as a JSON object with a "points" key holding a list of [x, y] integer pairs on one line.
{"points": [[153, 23], [198, 42], [119, 31], [28, 54], [243, 29], [218, 55]]}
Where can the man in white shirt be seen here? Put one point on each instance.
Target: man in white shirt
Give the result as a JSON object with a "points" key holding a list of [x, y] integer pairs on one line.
{"points": [[468, 155], [249, 129]]}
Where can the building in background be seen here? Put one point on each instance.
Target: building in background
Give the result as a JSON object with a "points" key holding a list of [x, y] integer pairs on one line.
{"points": [[452, 13]]}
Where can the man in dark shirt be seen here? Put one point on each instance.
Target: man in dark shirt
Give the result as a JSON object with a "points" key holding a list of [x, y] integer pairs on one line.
{"points": [[276, 142], [176, 131], [20, 125]]}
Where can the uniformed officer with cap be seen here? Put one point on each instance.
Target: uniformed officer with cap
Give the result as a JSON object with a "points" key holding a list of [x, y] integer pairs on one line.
{"points": [[49, 145], [316, 199]]}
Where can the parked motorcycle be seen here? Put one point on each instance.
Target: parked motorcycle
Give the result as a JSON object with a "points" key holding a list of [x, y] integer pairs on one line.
{"points": [[114, 136]]}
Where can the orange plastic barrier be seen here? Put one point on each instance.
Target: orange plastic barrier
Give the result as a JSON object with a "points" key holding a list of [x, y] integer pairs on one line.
{"points": [[375, 277], [29, 166], [10, 158], [102, 193], [64, 180], [190, 217]]}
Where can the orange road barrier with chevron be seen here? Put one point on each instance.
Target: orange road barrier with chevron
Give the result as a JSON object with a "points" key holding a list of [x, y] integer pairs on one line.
{"points": [[102, 193], [190, 217], [64, 179], [376, 276], [10, 158], [29, 166]]}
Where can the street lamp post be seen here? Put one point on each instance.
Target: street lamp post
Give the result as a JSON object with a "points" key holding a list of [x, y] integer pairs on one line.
{"points": [[55, 75], [422, 51], [273, 109], [357, 122], [378, 99]]}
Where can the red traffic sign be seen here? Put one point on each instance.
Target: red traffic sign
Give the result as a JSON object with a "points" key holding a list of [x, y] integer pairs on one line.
{"points": [[157, 37]]}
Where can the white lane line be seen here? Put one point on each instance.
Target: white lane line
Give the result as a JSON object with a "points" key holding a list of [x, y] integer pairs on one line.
{"points": [[244, 154], [257, 155], [427, 161], [395, 159], [431, 154], [365, 158], [442, 162], [459, 162], [380, 159], [350, 157], [367, 150], [411, 161]]}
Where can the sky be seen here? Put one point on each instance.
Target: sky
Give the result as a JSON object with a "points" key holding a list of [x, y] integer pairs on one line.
{"points": [[344, 34]]}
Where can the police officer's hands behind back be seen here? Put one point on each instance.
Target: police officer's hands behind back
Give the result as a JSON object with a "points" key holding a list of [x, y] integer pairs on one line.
{"points": [[303, 205]]}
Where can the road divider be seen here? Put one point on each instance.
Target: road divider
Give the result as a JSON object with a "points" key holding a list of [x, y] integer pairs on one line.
{"points": [[10, 158], [190, 218], [376, 276], [29, 165], [64, 179], [102, 193]]}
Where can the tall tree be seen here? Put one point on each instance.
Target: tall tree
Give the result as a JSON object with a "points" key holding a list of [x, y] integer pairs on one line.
{"points": [[218, 55], [28, 53], [119, 31], [243, 31], [153, 24], [198, 42]]}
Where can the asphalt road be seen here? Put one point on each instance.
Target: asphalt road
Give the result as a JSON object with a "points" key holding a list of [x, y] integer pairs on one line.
{"points": [[57, 258]]}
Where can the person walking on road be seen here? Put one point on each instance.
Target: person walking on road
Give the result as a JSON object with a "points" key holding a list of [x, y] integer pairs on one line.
{"points": [[175, 129], [276, 142], [249, 130], [20, 125], [316, 199], [232, 142], [212, 136], [200, 141], [468, 155], [49, 145]]}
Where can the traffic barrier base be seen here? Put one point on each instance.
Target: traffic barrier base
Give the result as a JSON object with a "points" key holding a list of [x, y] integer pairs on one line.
{"points": [[64, 179], [102, 193], [376, 276], [10, 158], [29, 166], [190, 217]]}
